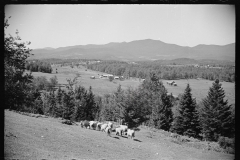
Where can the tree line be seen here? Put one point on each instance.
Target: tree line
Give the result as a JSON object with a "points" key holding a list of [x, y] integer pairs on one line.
{"points": [[142, 70], [149, 104], [38, 66]]}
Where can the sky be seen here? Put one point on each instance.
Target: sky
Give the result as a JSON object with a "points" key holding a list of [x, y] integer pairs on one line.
{"points": [[68, 25]]}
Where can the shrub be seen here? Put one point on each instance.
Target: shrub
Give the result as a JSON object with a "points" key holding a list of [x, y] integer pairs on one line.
{"points": [[230, 150], [111, 78], [226, 142]]}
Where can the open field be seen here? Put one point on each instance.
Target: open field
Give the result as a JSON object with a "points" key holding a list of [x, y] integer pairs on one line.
{"points": [[28, 137], [200, 88], [100, 86]]}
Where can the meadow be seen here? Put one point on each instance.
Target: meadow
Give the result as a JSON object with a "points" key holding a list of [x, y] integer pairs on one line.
{"points": [[101, 86]]}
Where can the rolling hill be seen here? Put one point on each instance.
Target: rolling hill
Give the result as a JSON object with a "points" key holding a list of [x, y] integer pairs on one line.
{"points": [[139, 50]]}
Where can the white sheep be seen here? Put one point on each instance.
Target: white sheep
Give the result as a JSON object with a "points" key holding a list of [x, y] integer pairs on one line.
{"points": [[130, 133], [93, 124], [110, 124], [103, 127], [99, 124], [119, 131], [108, 130], [124, 128], [81, 123]]}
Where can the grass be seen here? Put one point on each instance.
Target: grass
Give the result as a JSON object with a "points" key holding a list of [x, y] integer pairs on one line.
{"points": [[37, 137], [103, 86]]}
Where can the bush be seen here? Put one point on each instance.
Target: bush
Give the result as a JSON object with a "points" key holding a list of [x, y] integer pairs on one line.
{"points": [[226, 142], [230, 150], [111, 78]]}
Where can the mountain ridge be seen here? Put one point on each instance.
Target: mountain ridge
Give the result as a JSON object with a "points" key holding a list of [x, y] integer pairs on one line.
{"points": [[138, 50]]}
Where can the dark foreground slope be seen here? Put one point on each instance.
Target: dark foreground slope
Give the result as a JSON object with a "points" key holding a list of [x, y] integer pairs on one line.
{"points": [[46, 138]]}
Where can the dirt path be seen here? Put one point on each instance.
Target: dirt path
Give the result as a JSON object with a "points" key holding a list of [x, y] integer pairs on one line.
{"points": [[46, 138]]}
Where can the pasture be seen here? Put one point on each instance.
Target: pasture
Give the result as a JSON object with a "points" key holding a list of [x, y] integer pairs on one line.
{"points": [[101, 86], [200, 88], [27, 137]]}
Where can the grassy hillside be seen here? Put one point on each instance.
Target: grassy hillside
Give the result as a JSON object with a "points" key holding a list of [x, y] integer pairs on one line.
{"points": [[200, 88], [28, 137]]}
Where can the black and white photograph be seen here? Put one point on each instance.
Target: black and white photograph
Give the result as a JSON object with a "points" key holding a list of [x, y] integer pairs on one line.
{"points": [[119, 81]]}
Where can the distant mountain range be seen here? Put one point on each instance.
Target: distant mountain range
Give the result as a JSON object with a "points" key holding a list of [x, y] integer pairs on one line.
{"points": [[139, 50]]}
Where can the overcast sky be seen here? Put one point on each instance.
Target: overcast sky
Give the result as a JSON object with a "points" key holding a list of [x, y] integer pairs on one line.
{"points": [[67, 25]]}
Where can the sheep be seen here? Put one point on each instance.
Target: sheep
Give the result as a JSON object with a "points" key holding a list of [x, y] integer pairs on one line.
{"points": [[85, 124], [103, 127], [119, 131], [130, 133], [81, 123], [110, 124], [174, 135], [99, 124], [124, 128], [108, 130], [93, 124]]}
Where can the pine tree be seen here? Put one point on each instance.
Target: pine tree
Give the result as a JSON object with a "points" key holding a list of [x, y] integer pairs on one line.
{"points": [[216, 117], [187, 121], [68, 105], [59, 103], [118, 104], [90, 109], [157, 99], [132, 111], [165, 114]]}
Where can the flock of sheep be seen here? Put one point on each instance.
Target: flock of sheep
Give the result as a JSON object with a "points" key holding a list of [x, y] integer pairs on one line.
{"points": [[108, 128]]}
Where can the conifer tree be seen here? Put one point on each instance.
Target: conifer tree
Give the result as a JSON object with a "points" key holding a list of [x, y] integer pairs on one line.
{"points": [[216, 117], [80, 95], [68, 105], [118, 103], [187, 121], [132, 111], [68, 100], [165, 113], [90, 108], [59, 103], [161, 113]]}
